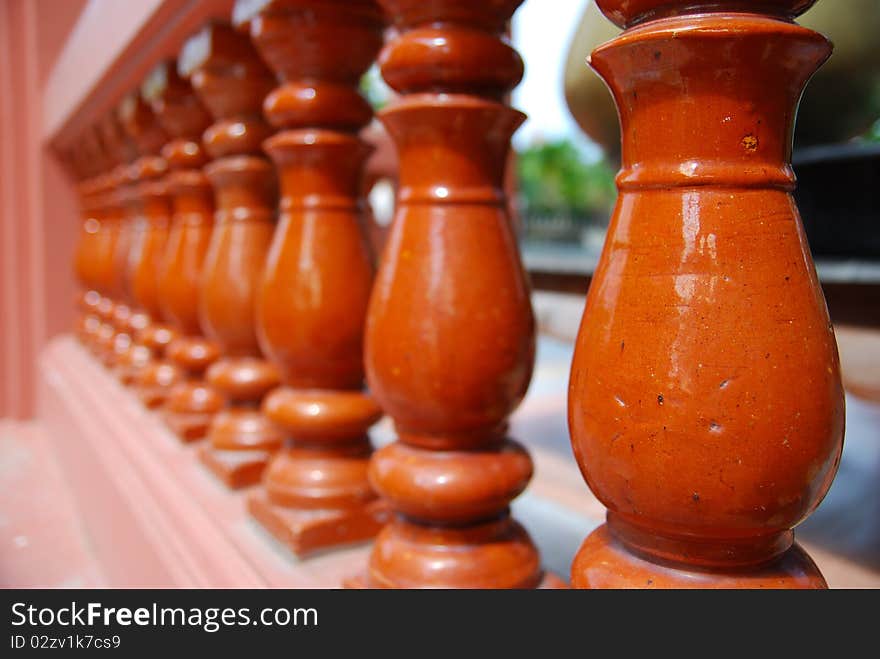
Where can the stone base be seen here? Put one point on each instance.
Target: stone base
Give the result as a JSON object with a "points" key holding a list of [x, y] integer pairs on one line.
{"points": [[359, 582], [189, 427], [308, 531], [236, 469]]}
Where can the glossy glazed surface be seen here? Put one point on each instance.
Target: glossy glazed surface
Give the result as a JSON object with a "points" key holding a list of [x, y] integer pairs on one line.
{"points": [[119, 151], [89, 163], [231, 80], [93, 258], [450, 331], [147, 205], [627, 12], [312, 300], [185, 119], [605, 562], [148, 201], [705, 402], [313, 297]]}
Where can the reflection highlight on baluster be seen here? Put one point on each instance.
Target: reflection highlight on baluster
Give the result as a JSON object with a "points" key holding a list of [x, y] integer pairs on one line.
{"points": [[231, 80], [705, 403]]}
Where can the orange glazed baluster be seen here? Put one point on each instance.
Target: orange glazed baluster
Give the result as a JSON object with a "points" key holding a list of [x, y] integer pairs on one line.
{"points": [[113, 338], [705, 404], [450, 340], [92, 259], [148, 204], [232, 81], [312, 303], [191, 404]]}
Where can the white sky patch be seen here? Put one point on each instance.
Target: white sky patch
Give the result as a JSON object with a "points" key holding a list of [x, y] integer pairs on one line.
{"points": [[542, 31]]}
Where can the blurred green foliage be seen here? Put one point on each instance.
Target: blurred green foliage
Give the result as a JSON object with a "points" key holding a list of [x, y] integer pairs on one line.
{"points": [[873, 134], [554, 179], [374, 88]]}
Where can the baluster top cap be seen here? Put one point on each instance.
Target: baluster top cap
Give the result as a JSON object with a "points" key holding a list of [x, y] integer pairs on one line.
{"points": [[318, 39], [141, 124], [89, 157], [489, 14], [626, 13], [217, 45], [451, 46], [246, 10], [229, 77], [174, 102], [114, 141]]}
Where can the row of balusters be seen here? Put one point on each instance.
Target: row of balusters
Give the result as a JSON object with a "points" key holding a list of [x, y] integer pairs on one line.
{"points": [[229, 281]]}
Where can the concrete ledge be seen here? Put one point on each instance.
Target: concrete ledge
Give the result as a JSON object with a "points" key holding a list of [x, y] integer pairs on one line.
{"points": [[155, 516]]}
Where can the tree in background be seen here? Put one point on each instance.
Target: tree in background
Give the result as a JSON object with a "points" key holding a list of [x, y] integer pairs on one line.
{"points": [[556, 182]]}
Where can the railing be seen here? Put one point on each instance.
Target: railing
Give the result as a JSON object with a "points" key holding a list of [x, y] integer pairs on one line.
{"points": [[219, 153]]}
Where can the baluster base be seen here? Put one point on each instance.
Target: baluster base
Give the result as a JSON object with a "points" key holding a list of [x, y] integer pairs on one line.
{"points": [[190, 409], [316, 493], [493, 554], [361, 581], [242, 443], [603, 561], [236, 469], [154, 381], [307, 531], [191, 403], [188, 427], [130, 362]]}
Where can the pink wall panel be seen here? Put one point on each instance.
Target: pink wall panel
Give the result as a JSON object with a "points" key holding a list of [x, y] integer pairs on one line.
{"points": [[61, 218], [62, 64], [18, 296], [55, 19], [37, 209]]}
